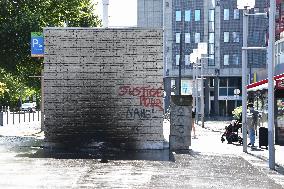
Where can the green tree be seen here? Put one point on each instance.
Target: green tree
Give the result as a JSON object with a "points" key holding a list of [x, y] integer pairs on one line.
{"points": [[18, 18], [3, 88]]}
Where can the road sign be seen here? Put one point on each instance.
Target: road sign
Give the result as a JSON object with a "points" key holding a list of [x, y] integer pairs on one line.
{"points": [[37, 44]]}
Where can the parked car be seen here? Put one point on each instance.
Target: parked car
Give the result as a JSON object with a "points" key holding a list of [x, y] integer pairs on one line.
{"points": [[28, 107]]}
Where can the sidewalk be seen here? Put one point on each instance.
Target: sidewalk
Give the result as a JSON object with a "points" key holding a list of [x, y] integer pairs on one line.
{"points": [[219, 126], [23, 129]]}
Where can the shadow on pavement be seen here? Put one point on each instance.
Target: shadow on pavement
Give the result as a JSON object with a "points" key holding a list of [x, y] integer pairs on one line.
{"points": [[105, 156], [278, 168], [33, 148], [184, 152]]}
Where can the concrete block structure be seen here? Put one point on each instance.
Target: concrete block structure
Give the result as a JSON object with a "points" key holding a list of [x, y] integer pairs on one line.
{"points": [[103, 85], [181, 122]]}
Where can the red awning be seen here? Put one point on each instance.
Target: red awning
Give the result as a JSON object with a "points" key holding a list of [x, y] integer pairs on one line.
{"points": [[263, 82]]}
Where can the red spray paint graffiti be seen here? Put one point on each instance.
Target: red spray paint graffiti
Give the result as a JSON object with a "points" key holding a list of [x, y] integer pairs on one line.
{"points": [[149, 96]]}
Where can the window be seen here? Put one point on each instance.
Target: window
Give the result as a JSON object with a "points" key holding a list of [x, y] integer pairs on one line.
{"points": [[256, 37], [186, 87], [213, 3], [211, 27], [177, 37], [177, 59], [187, 15], [187, 37], [211, 61], [236, 14], [236, 37], [197, 37], [231, 91], [211, 48], [186, 60], [226, 14], [256, 10], [226, 60], [226, 37], [197, 15], [236, 59], [178, 15], [222, 91], [211, 83], [234, 82], [173, 87], [223, 82], [211, 37], [211, 15]]}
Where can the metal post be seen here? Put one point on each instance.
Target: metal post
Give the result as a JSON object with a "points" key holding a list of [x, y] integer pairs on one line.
{"points": [[180, 55], [42, 100], [179, 65], [271, 84], [244, 80], [196, 90], [202, 95]]}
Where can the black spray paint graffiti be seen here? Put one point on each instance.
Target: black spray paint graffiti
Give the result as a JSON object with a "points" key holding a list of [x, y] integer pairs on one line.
{"points": [[136, 113]]}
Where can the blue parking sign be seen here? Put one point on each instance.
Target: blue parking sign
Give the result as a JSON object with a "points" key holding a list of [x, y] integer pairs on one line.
{"points": [[37, 44]]}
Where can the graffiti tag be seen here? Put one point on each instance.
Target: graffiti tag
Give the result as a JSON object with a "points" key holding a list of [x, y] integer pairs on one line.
{"points": [[148, 96], [134, 113]]}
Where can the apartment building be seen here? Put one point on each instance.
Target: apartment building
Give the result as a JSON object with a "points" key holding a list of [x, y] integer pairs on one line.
{"points": [[219, 24]]}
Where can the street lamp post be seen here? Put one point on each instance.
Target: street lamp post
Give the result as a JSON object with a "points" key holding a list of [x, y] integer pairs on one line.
{"points": [[244, 80], [246, 4], [271, 84], [193, 58], [196, 58], [202, 50], [195, 64]]}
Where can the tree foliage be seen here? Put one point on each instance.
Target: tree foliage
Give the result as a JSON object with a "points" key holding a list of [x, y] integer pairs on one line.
{"points": [[3, 88], [237, 112], [18, 18]]}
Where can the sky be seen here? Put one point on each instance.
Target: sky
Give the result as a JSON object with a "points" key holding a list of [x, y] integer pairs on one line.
{"points": [[121, 12]]}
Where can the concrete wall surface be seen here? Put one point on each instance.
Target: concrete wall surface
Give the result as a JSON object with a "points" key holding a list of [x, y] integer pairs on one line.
{"points": [[103, 85], [181, 122]]}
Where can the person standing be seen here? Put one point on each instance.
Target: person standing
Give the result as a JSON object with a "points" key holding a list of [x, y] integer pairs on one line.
{"points": [[253, 124], [192, 121]]}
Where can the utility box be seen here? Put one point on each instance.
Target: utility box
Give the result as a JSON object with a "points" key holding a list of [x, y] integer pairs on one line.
{"points": [[181, 122]]}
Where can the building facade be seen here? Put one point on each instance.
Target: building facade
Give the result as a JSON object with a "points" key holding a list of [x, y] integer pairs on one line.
{"points": [[219, 24]]}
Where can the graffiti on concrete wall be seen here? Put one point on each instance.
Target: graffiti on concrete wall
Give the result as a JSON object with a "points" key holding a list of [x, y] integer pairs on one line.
{"points": [[149, 97], [139, 113]]}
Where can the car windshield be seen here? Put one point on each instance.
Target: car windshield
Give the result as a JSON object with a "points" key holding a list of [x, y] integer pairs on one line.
{"points": [[28, 105]]}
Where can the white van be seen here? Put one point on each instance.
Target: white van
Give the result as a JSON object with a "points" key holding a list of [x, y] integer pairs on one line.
{"points": [[29, 107]]}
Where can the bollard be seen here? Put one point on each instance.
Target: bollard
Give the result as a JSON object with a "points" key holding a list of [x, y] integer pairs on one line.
{"points": [[24, 117], [29, 116], [7, 117], [13, 118], [19, 116]]}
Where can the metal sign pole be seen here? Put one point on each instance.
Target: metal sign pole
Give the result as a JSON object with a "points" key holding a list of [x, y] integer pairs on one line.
{"points": [[244, 80], [271, 44]]}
